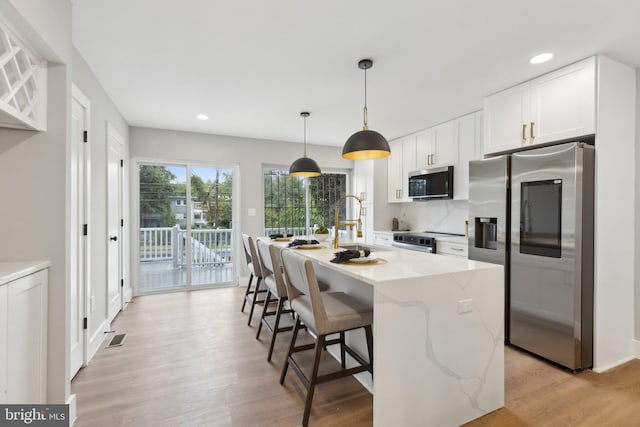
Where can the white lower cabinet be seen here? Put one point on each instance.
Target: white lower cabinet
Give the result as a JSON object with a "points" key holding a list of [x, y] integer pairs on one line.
{"points": [[452, 249], [384, 238], [3, 344], [23, 339]]}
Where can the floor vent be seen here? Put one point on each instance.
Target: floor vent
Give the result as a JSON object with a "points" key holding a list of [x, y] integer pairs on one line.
{"points": [[117, 340]]}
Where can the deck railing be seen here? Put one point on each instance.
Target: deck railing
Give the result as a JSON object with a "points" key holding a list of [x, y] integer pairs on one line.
{"points": [[210, 248]]}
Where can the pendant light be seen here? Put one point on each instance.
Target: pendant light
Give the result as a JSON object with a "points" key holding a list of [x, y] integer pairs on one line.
{"points": [[366, 144], [304, 166]]}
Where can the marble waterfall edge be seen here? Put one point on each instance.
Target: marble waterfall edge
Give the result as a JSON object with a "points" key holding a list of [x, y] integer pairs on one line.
{"points": [[455, 371]]}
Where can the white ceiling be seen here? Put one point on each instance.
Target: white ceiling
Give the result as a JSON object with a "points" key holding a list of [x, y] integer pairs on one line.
{"points": [[253, 65]]}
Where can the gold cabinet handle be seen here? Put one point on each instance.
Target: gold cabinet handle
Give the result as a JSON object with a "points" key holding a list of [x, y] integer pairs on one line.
{"points": [[531, 130], [524, 132]]}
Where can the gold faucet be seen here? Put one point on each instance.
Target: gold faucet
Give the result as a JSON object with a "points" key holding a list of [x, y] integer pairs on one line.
{"points": [[347, 222]]}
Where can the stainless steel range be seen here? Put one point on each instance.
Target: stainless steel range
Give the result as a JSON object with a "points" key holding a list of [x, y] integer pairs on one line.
{"points": [[419, 241]]}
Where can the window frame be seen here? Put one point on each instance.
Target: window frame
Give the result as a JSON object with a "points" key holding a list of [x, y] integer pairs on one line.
{"points": [[348, 173]]}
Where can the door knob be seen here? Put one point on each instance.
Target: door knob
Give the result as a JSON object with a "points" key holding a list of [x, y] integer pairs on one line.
{"points": [[113, 238]]}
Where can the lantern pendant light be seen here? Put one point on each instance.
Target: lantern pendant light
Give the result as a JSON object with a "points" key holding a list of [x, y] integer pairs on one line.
{"points": [[366, 144], [304, 166]]}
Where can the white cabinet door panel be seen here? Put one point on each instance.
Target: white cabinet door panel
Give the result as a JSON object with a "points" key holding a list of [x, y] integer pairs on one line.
{"points": [[467, 152], [445, 144], [394, 172], [424, 147], [27, 339], [563, 103], [505, 113], [3, 343]]}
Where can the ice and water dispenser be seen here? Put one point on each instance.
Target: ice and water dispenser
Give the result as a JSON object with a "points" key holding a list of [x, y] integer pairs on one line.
{"points": [[486, 232]]}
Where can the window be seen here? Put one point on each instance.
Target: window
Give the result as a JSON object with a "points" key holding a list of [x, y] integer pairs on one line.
{"points": [[284, 200]]}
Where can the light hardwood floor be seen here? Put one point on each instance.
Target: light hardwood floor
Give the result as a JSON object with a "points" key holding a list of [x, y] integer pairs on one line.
{"points": [[191, 360]]}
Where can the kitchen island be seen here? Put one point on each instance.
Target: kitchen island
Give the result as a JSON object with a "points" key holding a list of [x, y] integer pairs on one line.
{"points": [[438, 333]]}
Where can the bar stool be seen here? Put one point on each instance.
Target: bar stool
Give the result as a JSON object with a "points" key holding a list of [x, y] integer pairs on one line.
{"points": [[273, 278], [253, 264], [324, 313]]}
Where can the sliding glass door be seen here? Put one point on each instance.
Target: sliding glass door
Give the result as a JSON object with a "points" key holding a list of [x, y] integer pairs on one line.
{"points": [[185, 237]]}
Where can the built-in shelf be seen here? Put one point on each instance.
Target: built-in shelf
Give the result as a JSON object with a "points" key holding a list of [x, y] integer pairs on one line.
{"points": [[23, 85]]}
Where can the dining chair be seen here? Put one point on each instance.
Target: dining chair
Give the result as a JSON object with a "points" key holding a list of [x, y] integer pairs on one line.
{"points": [[273, 278], [253, 264], [324, 313]]}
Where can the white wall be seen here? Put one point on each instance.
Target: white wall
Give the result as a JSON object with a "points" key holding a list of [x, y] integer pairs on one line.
{"points": [[637, 212], [249, 154], [45, 25], [614, 215], [33, 178], [102, 111]]}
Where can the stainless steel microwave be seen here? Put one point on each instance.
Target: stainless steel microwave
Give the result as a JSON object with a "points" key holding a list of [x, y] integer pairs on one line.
{"points": [[431, 184]]}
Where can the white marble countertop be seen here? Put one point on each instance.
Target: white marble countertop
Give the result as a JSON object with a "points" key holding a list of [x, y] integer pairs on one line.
{"points": [[10, 271], [401, 263]]}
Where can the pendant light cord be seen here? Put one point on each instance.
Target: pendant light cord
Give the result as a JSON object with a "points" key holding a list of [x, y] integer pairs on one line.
{"points": [[305, 136], [366, 113]]}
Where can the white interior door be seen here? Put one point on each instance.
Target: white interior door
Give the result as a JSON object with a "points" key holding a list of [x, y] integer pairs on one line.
{"points": [[78, 239], [114, 216]]}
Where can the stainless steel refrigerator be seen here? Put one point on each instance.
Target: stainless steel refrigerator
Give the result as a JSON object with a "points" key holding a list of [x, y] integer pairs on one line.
{"points": [[532, 212]]}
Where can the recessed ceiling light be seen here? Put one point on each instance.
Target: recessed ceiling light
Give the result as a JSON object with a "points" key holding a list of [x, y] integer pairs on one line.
{"points": [[539, 59], [202, 117]]}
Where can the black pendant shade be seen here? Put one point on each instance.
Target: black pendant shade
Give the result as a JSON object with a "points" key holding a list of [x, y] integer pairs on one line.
{"points": [[366, 144], [304, 166]]}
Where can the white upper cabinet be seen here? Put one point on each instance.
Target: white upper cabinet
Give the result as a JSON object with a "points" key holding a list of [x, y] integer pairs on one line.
{"points": [[453, 143], [469, 132], [401, 161], [556, 106], [424, 148], [23, 85], [505, 119], [563, 103], [437, 146], [409, 155], [445, 144]]}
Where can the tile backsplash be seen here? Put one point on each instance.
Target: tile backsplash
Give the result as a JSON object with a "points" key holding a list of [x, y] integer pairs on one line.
{"points": [[445, 216]]}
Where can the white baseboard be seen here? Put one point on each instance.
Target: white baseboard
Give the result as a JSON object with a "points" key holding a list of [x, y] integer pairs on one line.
{"points": [[636, 348], [72, 409], [96, 340], [128, 297], [600, 369]]}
